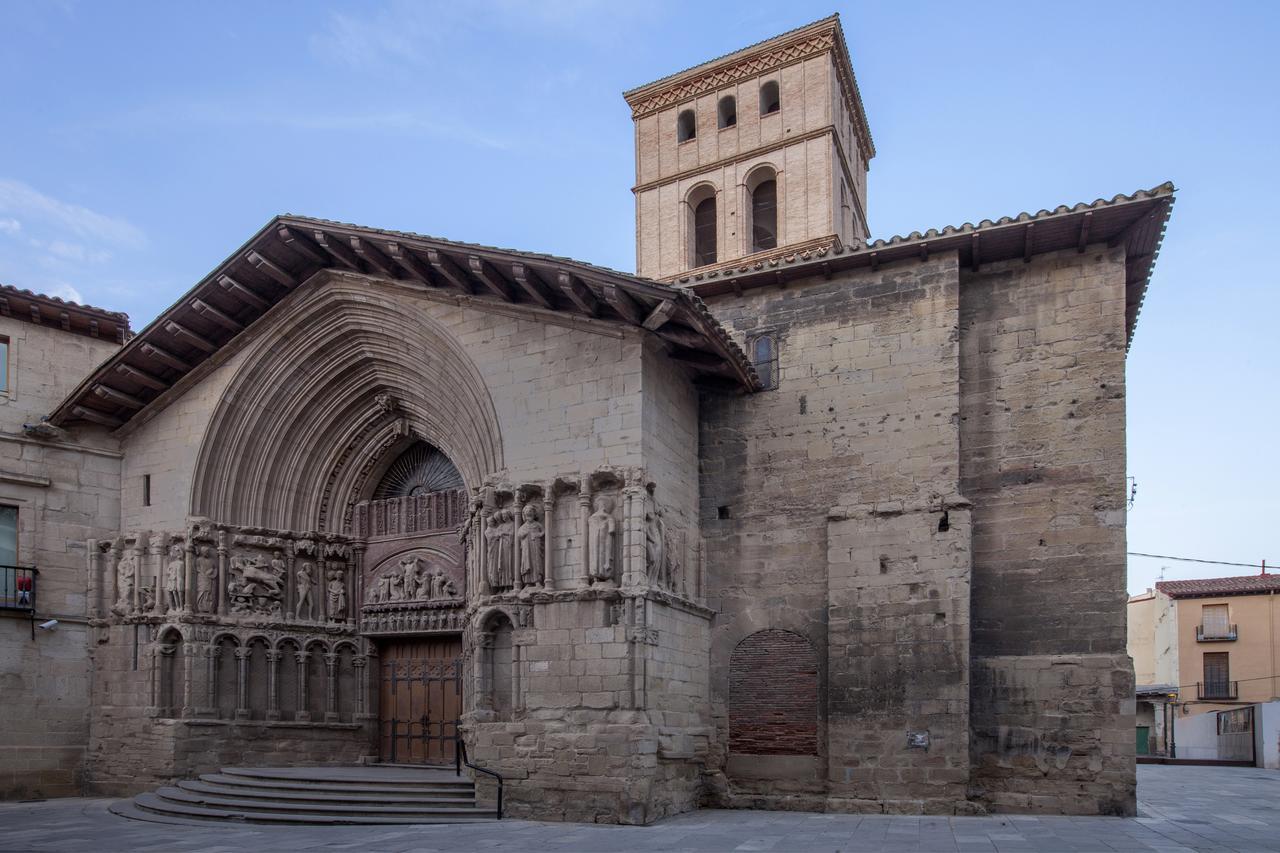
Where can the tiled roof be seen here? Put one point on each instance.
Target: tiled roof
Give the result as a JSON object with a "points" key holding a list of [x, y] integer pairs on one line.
{"points": [[1242, 585], [52, 311], [1136, 220]]}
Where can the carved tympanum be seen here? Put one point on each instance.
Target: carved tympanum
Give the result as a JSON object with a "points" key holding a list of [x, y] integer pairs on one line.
{"points": [[411, 579]]}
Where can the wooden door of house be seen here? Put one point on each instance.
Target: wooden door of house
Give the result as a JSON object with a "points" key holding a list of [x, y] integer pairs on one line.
{"points": [[420, 699]]}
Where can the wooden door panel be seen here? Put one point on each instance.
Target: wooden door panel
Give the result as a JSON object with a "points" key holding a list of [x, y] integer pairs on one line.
{"points": [[420, 699]]}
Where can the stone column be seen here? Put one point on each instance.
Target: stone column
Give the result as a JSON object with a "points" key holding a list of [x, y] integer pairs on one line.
{"points": [[273, 684], [331, 699], [242, 682], [548, 507], [584, 532], [95, 578], [360, 662], [189, 574], [211, 654], [303, 714], [220, 594], [290, 584], [483, 551], [189, 651], [154, 677], [517, 507], [357, 592]]}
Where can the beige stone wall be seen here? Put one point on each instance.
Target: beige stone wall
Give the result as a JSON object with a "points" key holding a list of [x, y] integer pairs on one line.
{"points": [[66, 489], [1141, 638], [1043, 461]]}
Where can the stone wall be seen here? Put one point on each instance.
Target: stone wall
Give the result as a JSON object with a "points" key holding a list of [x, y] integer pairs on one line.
{"points": [[65, 486], [1043, 461]]}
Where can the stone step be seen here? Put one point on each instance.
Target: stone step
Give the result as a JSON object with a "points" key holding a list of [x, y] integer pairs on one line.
{"points": [[462, 785], [150, 807], [462, 796], [425, 810], [370, 775]]}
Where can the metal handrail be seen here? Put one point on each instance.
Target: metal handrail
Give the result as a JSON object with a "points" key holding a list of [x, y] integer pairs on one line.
{"points": [[18, 591], [1217, 690], [1203, 636], [460, 760]]}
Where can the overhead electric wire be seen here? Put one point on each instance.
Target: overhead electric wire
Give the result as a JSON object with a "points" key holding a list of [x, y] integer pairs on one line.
{"points": [[1195, 560]]}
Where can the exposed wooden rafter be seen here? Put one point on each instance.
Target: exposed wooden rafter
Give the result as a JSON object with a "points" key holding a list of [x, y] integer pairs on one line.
{"points": [[141, 377], [1028, 242], [622, 302], [409, 262], [1085, 222], [532, 285], [975, 252], [192, 337], [244, 292], [115, 395], [164, 356], [374, 258], [270, 268], [217, 316], [96, 417], [450, 271], [490, 278], [336, 250], [303, 245], [578, 293], [682, 336], [661, 313]]}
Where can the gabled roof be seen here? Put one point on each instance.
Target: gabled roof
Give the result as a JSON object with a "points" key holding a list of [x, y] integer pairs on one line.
{"points": [[1136, 221], [1205, 587], [63, 314], [289, 250]]}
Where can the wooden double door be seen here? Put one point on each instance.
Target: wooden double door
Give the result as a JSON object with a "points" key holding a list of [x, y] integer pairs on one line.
{"points": [[420, 699]]}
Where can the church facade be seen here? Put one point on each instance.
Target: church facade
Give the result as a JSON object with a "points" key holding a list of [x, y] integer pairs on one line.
{"points": [[788, 519]]}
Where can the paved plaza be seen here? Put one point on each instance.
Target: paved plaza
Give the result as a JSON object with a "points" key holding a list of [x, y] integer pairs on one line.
{"points": [[1180, 808]]}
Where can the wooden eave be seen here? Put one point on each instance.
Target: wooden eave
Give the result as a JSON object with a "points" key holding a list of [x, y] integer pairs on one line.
{"points": [[42, 310], [290, 250], [1135, 221]]}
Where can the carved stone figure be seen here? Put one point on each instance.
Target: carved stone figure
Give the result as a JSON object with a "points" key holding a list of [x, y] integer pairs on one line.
{"points": [[303, 580], [255, 589], [498, 551], [206, 580], [529, 547], [602, 528], [655, 548], [337, 596], [173, 578], [409, 574], [126, 579]]}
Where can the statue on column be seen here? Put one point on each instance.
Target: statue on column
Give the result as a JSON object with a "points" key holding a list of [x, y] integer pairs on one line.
{"points": [[337, 595], [302, 583], [602, 528], [126, 579], [529, 544], [206, 580], [655, 547], [173, 578], [498, 549]]}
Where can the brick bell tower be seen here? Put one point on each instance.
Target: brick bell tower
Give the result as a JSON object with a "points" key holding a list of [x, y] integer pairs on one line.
{"points": [[759, 153]]}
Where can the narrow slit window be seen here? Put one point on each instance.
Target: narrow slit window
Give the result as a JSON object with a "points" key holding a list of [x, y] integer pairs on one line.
{"points": [[146, 490], [704, 232], [764, 357], [4, 365], [764, 216]]}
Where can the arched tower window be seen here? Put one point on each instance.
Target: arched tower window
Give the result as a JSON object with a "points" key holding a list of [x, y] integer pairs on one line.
{"points": [[770, 101], [727, 112], [704, 230], [686, 126], [763, 190], [764, 358]]}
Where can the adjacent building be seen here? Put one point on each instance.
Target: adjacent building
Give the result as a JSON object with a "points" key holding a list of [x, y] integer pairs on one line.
{"points": [[1200, 646], [771, 523]]}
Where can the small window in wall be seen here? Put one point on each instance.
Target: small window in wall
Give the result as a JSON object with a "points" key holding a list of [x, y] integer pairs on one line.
{"points": [[764, 358], [704, 232], [764, 216], [686, 126], [770, 102], [727, 113], [146, 490], [1215, 621], [8, 536], [1217, 676], [4, 365]]}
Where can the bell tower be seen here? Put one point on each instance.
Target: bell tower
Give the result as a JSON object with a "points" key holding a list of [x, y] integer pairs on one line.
{"points": [[759, 153]]}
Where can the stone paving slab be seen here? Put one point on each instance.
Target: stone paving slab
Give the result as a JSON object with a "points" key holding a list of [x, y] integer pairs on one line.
{"points": [[1180, 809]]}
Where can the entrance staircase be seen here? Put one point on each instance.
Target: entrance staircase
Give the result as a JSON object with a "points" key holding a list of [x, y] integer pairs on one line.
{"points": [[323, 796]]}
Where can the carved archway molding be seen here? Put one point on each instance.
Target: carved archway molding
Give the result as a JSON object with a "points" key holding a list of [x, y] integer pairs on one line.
{"points": [[345, 381]]}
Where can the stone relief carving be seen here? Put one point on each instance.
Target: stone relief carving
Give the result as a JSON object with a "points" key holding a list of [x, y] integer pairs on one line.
{"points": [[498, 549], [602, 530], [336, 595], [173, 571], [530, 550], [304, 600], [256, 589], [126, 582], [411, 580]]}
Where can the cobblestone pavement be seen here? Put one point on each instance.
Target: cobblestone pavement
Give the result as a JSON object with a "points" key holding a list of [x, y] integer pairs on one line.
{"points": [[1180, 808]]}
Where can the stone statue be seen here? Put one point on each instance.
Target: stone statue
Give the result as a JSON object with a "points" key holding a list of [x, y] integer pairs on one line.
{"points": [[498, 551], [256, 589], [602, 528], [409, 572], [655, 547], [529, 547], [337, 595], [173, 578], [206, 580], [126, 578], [303, 580]]}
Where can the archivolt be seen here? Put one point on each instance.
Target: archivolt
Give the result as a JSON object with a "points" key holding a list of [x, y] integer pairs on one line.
{"points": [[351, 380]]}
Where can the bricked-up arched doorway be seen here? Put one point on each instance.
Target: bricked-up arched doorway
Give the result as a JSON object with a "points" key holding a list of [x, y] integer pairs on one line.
{"points": [[773, 695]]}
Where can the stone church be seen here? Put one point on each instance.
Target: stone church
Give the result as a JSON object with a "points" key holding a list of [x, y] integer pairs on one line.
{"points": [[790, 518]]}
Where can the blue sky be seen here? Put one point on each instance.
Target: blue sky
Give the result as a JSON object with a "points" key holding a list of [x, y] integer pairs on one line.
{"points": [[140, 143]]}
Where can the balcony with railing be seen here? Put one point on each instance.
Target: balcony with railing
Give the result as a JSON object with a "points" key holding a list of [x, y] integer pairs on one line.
{"points": [[1215, 633], [18, 588], [1217, 690]]}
